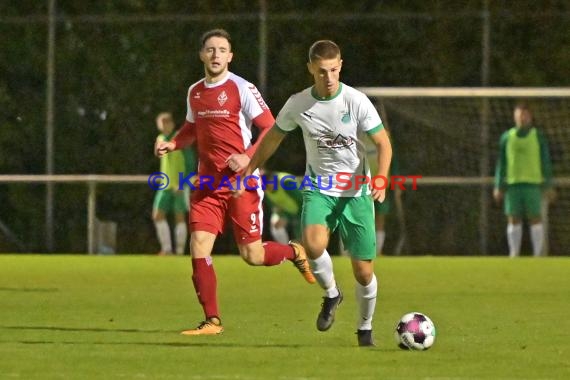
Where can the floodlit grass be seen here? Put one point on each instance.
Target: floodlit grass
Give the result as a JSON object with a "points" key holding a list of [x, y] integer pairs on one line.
{"points": [[119, 317]]}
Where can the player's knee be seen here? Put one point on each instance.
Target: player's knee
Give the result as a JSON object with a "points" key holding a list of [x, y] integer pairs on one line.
{"points": [[363, 278], [157, 216], [251, 256], [363, 273], [253, 260], [315, 249]]}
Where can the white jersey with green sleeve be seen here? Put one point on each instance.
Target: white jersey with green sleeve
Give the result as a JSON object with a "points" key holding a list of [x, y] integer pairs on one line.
{"points": [[330, 129]]}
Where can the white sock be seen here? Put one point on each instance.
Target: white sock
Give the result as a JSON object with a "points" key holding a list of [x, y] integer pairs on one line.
{"points": [[366, 300], [163, 233], [181, 235], [323, 271], [380, 237], [514, 236], [537, 238], [280, 235]]}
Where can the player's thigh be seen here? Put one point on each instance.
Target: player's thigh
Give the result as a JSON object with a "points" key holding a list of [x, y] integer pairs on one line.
{"points": [[532, 198], [163, 200], [180, 204], [208, 211], [357, 227], [320, 209], [514, 202], [318, 219], [246, 214]]}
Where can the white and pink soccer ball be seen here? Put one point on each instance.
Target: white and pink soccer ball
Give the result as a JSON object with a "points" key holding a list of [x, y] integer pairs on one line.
{"points": [[415, 331]]}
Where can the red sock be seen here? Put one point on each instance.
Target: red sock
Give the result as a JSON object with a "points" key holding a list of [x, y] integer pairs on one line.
{"points": [[204, 279], [276, 253]]}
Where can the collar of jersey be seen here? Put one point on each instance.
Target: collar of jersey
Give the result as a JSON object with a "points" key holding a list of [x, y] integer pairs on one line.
{"points": [[314, 94], [523, 131], [218, 83]]}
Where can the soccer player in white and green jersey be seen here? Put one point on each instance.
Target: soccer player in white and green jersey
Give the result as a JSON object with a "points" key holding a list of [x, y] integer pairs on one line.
{"points": [[330, 115], [523, 172]]}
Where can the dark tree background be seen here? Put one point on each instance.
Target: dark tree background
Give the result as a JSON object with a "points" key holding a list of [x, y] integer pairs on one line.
{"points": [[117, 67]]}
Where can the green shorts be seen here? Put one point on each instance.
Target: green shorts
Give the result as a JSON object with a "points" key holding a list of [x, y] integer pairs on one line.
{"points": [[523, 200], [353, 216], [170, 201]]}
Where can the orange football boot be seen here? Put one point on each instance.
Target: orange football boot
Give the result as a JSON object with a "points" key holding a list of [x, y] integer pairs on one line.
{"points": [[211, 326], [301, 263]]}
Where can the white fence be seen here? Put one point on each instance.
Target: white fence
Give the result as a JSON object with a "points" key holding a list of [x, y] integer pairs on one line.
{"points": [[92, 180]]}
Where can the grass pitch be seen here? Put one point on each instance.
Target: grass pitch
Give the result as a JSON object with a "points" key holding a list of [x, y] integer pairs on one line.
{"points": [[119, 317]]}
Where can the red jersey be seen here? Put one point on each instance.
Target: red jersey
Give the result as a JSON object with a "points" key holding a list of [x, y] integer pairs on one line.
{"points": [[221, 115]]}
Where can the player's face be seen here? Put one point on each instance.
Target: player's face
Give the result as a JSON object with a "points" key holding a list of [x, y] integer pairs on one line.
{"points": [[216, 55], [522, 117], [165, 124], [326, 73]]}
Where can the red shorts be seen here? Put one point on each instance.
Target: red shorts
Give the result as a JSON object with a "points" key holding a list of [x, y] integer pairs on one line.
{"points": [[209, 209]]}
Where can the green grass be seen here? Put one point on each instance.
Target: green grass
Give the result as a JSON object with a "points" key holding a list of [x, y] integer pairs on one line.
{"points": [[72, 317]]}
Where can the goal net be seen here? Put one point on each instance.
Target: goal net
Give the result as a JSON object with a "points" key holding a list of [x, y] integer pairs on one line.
{"points": [[450, 136]]}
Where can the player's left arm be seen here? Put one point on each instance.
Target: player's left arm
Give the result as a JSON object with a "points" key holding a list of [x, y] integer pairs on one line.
{"points": [[186, 136], [263, 122], [255, 108], [384, 148], [546, 165], [545, 161]]}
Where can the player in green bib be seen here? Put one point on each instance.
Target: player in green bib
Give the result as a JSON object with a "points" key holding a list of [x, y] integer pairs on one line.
{"points": [[330, 115], [522, 174], [172, 200]]}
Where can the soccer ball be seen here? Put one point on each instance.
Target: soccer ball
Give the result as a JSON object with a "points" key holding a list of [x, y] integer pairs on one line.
{"points": [[415, 331]]}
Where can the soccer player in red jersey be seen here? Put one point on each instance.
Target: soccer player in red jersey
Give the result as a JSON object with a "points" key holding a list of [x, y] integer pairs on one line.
{"points": [[221, 109]]}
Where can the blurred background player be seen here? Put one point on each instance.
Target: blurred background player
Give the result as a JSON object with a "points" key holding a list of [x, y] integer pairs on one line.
{"points": [[221, 109], [393, 196], [523, 173], [285, 202], [172, 201]]}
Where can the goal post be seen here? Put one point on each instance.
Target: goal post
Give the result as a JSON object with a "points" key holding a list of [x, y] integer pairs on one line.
{"points": [[452, 133]]}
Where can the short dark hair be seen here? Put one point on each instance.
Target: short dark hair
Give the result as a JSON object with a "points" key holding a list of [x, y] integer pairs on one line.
{"points": [[522, 105], [323, 49], [219, 32]]}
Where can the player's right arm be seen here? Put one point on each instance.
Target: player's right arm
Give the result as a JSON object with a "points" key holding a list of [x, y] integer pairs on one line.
{"points": [[162, 147]]}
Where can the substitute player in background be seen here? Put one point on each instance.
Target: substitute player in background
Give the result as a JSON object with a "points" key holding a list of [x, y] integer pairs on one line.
{"points": [[285, 201], [382, 209], [330, 115], [172, 200], [523, 173], [221, 109]]}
